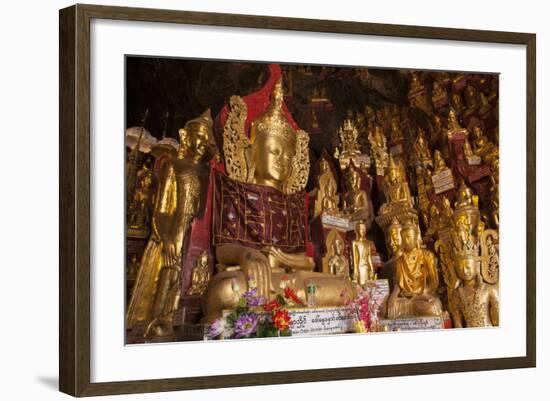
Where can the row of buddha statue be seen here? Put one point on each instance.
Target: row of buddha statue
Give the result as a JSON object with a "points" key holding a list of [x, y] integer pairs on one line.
{"points": [[243, 188]]}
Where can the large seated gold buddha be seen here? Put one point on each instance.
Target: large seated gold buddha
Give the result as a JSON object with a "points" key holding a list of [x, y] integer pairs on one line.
{"points": [[260, 213]]}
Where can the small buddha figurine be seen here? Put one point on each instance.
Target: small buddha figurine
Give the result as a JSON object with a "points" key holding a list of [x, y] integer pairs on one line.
{"points": [[472, 102], [325, 183], [348, 146], [439, 163], [439, 94], [330, 198], [201, 275], [483, 147], [465, 196], [474, 303], [421, 149], [337, 263], [379, 149], [363, 268], [435, 220], [396, 187], [484, 105], [356, 201], [416, 278], [452, 121], [446, 215], [139, 210], [456, 103], [467, 149], [396, 134], [157, 288]]}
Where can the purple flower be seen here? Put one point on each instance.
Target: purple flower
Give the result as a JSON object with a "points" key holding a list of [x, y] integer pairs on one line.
{"points": [[245, 326], [218, 327], [252, 298]]}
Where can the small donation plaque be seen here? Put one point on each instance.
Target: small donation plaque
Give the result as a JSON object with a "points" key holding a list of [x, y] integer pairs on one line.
{"points": [[473, 160], [443, 181], [379, 290], [340, 222], [313, 321], [413, 323]]}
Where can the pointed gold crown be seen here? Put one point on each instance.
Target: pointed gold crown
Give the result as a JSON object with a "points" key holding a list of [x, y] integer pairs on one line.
{"points": [[347, 125], [204, 121], [395, 225], [464, 244], [273, 121], [411, 223]]}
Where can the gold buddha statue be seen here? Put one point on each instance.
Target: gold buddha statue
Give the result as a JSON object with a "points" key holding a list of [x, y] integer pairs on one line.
{"points": [[396, 187], [396, 133], [474, 303], [434, 221], [379, 149], [465, 196], [439, 94], [472, 101], [337, 263], [356, 201], [446, 215], [416, 278], [363, 268], [456, 103], [467, 149], [452, 122], [201, 275], [276, 160], [439, 163], [330, 198], [157, 289], [422, 151], [348, 147], [483, 147], [140, 208], [327, 196]]}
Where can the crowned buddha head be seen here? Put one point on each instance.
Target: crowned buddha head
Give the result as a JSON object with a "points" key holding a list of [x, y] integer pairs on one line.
{"points": [[354, 180], [466, 253], [273, 143], [393, 237], [410, 235], [196, 137]]}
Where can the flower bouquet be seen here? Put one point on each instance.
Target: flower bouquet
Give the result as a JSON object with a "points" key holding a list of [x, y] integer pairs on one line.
{"points": [[255, 317]]}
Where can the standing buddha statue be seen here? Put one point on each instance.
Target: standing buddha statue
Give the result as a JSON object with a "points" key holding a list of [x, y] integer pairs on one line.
{"points": [[157, 289], [363, 268]]}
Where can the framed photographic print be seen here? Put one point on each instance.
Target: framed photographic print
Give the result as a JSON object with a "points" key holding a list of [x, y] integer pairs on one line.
{"points": [[251, 200]]}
